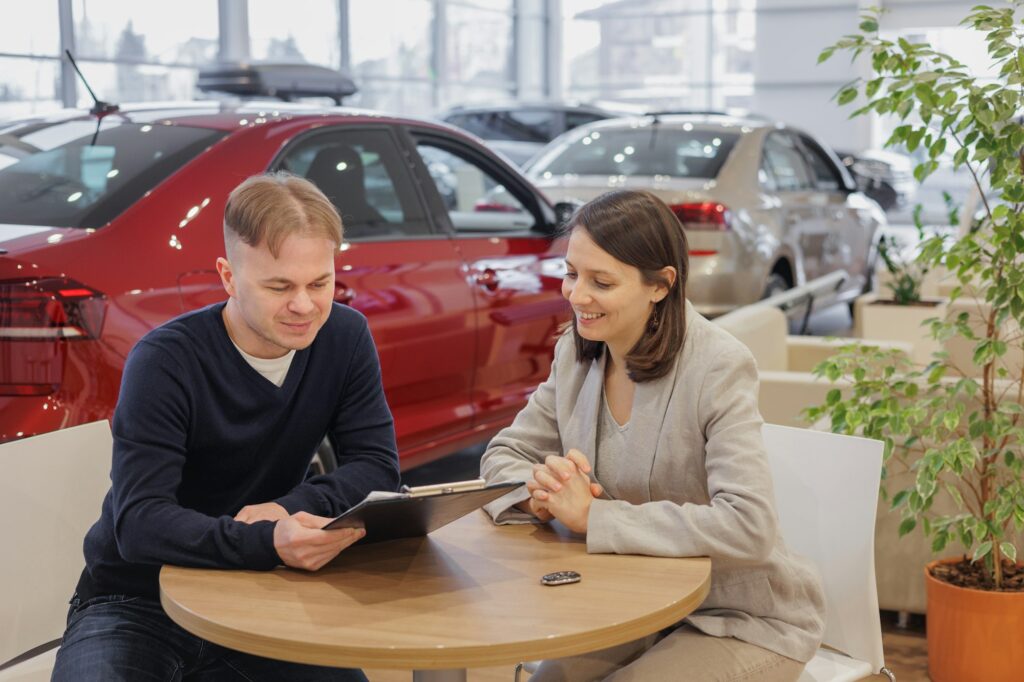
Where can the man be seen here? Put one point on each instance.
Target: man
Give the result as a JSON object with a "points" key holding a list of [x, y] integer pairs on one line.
{"points": [[219, 414]]}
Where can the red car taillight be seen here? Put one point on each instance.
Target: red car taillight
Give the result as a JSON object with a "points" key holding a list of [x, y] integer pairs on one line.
{"points": [[36, 318], [50, 308], [707, 215]]}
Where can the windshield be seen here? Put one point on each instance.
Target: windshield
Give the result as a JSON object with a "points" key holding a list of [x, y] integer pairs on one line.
{"points": [[650, 150], [67, 174]]}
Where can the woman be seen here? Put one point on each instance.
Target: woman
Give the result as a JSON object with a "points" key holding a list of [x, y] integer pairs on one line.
{"points": [[661, 407]]}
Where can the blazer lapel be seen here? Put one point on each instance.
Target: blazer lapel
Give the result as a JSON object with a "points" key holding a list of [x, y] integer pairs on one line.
{"points": [[647, 421], [581, 430]]}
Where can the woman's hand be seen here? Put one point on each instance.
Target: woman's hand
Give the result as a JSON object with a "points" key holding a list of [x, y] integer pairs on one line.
{"points": [[533, 506], [562, 488]]}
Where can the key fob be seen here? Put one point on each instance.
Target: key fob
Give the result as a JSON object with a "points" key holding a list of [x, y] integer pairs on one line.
{"points": [[561, 578]]}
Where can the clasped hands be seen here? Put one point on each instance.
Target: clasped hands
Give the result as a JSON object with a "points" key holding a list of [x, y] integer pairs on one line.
{"points": [[561, 489], [299, 538]]}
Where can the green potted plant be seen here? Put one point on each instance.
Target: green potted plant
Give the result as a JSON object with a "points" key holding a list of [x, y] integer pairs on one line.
{"points": [[899, 311], [954, 435]]}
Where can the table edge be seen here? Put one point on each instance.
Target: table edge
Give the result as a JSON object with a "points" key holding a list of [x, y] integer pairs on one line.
{"points": [[428, 658]]}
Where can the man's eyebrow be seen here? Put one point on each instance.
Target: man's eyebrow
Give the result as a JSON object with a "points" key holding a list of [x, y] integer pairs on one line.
{"points": [[285, 280]]}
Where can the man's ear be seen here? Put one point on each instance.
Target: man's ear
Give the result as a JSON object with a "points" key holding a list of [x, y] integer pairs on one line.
{"points": [[227, 275]]}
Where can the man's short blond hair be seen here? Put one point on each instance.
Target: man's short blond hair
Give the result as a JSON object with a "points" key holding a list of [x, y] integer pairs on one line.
{"points": [[267, 208]]}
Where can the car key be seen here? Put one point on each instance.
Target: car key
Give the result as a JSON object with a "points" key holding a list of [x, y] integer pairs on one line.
{"points": [[561, 578]]}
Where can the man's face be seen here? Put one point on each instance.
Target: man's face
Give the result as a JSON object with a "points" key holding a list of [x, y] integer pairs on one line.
{"points": [[278, 304]]}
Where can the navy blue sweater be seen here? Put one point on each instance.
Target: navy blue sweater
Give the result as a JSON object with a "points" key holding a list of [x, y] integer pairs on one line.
{"points": [[199, 434]]}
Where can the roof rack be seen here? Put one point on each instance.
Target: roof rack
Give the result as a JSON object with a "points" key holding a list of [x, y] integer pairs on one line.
{"points": [[281, 81], [707, 112]]}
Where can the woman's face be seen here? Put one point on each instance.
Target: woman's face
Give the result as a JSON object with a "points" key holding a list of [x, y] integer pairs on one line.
{"points": [[609, 298]]}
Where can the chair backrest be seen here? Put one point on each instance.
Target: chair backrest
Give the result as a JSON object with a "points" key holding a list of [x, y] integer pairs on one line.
{"points": [[763, 330], [826, 490], [51, 491]]}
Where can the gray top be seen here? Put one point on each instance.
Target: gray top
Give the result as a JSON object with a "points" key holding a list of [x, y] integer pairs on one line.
{"points": [[611, 453], [694, 481]]}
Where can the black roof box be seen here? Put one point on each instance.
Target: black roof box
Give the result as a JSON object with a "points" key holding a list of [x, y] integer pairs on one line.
{"points": [[282, 81]]}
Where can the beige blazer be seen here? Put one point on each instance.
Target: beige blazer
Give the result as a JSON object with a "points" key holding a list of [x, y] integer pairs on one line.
{"points": [[698, 483]]}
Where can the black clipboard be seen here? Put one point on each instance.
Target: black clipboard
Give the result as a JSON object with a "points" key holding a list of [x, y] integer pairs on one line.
{"points": [[415, 515]]}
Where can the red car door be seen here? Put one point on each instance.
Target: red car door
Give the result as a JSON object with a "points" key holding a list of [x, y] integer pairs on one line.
{"points": [[513, 264], [407, 280]]}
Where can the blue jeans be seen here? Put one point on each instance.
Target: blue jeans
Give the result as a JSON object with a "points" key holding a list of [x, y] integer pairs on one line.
{"points": [[114, 638]]}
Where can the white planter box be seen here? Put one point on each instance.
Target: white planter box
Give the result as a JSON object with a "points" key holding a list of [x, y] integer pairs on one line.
{"points": [[877, 318]]}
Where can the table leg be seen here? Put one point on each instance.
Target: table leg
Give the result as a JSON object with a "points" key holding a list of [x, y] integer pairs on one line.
{"points": [[454, 675]]}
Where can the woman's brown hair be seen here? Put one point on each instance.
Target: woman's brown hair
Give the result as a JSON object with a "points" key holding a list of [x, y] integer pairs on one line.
{"points": [[639, 229]]}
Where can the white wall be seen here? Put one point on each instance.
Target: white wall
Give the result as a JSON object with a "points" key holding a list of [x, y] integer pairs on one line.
{"points": [[790, 86]]}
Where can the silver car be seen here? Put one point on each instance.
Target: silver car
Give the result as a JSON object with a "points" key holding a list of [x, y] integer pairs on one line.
{"points": [[765, 207]]}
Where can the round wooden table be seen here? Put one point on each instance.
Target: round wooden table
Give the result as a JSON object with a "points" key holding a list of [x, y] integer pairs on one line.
{"points": [[468, 595]]}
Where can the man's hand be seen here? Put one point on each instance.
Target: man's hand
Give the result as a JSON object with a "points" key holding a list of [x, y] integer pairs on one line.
{"points": [[563, 489], [301, 542], [268, 511]]}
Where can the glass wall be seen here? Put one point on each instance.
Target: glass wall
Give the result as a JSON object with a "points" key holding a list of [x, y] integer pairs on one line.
{"points": [[140, 51], [667, 54], [296, 31], [392, 61], [478, 64], [30, 80], [440, 54], [407, 56]]}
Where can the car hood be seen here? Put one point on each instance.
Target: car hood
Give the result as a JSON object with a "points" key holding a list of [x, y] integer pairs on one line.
{"points": [[587, 187]]}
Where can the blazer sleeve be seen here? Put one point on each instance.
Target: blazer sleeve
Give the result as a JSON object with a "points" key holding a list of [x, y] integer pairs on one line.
{"points": [[740, 522], [532, 436]]}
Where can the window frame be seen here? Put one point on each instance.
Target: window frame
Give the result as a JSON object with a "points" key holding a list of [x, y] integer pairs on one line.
{"points": [[544, 220], [414, 188]]}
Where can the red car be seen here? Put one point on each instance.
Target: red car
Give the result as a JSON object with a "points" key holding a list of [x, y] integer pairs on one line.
{"points": [[110, 226]]}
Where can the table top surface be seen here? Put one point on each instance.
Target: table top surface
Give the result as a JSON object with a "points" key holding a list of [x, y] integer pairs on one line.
{"points": [[467, 595]]}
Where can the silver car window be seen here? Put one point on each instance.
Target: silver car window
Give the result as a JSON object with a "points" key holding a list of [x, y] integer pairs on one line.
{"points": [[826, 175], [784, 164], [649, 150]]}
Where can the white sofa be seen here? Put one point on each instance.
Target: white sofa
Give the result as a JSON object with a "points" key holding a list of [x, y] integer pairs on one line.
{"points": [[785, 362]]}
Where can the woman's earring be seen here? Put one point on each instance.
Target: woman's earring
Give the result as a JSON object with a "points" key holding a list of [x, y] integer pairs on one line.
{"points": [[653, 322]]}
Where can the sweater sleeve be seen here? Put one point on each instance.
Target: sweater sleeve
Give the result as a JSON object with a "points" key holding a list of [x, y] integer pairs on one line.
{"points": [[363, 436], [531, 437], [739, 523], [150, 443]]}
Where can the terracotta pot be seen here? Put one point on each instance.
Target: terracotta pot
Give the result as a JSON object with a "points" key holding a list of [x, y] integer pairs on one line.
{"points": [[973, 634]]}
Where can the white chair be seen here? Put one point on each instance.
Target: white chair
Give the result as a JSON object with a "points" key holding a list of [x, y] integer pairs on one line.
{"points": [[826, 491], [51, 491]]}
